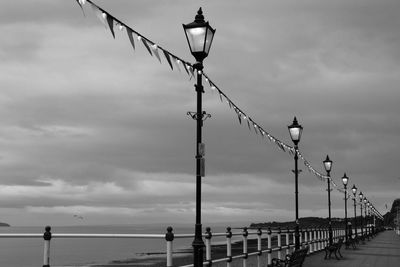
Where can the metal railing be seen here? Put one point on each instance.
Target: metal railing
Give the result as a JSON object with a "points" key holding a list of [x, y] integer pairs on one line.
{"points": [[270, 242]]}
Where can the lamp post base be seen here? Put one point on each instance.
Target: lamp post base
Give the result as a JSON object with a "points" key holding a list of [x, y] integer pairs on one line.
{"points": [[297, 237], [198, 247]]}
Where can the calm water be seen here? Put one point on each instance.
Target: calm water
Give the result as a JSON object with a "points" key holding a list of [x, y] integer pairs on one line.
{"points": [[28, 252]]}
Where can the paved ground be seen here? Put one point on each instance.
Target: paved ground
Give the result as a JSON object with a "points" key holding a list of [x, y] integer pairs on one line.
{"points": [[381, 251]]}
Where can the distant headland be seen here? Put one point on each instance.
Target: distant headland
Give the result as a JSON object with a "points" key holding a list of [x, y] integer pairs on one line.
{"points": [[4, 224]]}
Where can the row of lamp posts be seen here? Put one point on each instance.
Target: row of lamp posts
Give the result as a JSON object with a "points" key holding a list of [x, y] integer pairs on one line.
{"points": [[295, 131], [199, 35]]}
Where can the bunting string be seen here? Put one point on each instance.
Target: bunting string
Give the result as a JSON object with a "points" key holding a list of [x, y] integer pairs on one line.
{"points": [[178, 63]]}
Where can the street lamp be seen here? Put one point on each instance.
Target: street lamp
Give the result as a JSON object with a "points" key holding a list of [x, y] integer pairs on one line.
{"points": [[295, 131], [365, 217], [328, 166], [361, 196], [199, 35], [354, 190], [345, 180]]}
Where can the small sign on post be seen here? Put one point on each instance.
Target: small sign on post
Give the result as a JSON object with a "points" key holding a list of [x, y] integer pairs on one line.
{"points": [[202, 167], [202, 149]]}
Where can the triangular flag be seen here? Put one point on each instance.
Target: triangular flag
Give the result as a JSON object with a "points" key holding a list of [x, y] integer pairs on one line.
{"points": [[280, 145], [110, 24], [191, 70], [240, 118], [154, 48], [146, 45], [186, 67], [80, 3], [168, 59], [248, 124], [255, 128], [220, 96], [130, 36], [100, 14], [176, 62]]}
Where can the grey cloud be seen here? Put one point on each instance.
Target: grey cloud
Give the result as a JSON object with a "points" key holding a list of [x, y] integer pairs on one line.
{"points": [[86, 108]]}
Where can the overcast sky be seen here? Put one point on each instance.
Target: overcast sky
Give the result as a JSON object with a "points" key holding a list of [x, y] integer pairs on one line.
{"points": [[91, 127]]}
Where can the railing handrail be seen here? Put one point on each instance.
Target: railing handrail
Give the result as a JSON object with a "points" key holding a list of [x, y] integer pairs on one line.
{"points": [[82, 235], [316, 237]]}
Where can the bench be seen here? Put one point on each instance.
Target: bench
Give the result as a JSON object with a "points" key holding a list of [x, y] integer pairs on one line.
{"points": [[295, 259], [334, 248], [351, 241]]}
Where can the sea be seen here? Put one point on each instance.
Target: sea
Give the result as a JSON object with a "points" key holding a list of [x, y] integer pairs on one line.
{"points": [[79, 252]]}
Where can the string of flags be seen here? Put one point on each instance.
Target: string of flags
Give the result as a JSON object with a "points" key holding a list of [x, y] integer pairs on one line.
{"points": [[178, 63]]}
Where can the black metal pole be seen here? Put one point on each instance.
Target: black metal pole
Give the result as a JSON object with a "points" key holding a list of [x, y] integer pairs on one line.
{"points": [[296, 192], [345, 214], [355, 218], [366, 222], [198, 243], [362, 221], [329, 207]]}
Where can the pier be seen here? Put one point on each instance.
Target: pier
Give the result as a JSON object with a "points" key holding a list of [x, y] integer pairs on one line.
{"points": [[243, 247], [382, 250]]}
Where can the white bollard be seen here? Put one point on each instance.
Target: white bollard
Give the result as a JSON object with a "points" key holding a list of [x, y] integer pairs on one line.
{"points": [[279, 244], [169, 237], [287, 242], [269, 247], [305, 239], [208, 246], [46, 254], [228, 246], [245, 234], [259, 247]]}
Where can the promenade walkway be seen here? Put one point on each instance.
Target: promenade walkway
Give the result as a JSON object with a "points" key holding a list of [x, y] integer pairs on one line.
{"points": [[381, 251]]}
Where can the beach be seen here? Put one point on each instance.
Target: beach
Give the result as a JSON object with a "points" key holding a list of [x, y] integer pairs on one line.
{"points": [[185, 257]]}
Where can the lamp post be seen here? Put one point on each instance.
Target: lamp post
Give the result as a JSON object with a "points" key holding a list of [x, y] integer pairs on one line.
{"points": [[199, 35], [361, 214], [354, 190], [370, 220], [366, 218], [345, 180], [328, 166], [295, 131]]}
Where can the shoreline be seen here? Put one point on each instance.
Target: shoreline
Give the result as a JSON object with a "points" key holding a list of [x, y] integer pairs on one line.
{"points": [[183, 256]]}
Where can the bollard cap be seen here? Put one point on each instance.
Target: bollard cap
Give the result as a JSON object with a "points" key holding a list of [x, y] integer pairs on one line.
{"points": [[208, 233], [169, 236], [228, 232], [47, 233]]}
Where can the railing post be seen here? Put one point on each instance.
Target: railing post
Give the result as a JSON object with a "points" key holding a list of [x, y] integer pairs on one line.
{"points": [[279, 244], [46, 254], [315, 239], [245, 233], [269, 246], [305, 238], [319, 239], [326, 238], [301, 238], [228, 246], [208, 246], [294, 238], [169, 237], [259, 247], [287, 241], [335, 235], [311, 240]]}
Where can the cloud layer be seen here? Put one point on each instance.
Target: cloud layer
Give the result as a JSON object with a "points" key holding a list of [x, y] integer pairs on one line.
{"points": [[91, 127]]}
